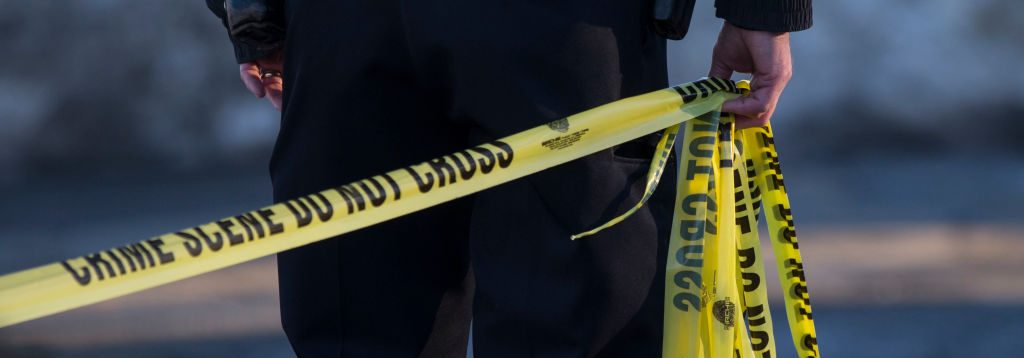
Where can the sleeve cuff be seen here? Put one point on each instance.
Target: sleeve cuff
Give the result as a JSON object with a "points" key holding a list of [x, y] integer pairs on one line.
{"points": [[245, 53], [760, 15]]}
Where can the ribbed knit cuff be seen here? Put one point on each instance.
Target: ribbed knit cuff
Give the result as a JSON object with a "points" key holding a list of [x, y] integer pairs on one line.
{"points": [[767, 15]]}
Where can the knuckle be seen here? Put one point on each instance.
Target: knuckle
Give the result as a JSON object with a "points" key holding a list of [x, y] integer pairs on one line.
{"points": [[761, 107], [786, 73]]}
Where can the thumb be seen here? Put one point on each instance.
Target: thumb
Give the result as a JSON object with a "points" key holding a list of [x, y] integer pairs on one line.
{"points": [[764, 94], [746, 106]]}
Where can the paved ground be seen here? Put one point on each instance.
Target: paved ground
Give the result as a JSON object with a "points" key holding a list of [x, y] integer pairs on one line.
{"points": [[906, 331], [896, 290]]}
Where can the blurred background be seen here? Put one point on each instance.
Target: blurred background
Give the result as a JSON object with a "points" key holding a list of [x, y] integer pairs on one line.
{"points": [[900, 136]]}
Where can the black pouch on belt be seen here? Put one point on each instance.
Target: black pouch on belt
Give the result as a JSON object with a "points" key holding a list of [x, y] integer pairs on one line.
{"points": [[672, 18], [257, 23]]}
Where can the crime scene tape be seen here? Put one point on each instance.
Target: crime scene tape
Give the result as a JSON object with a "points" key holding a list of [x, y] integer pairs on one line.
{"points": [[709, 224], [712, 273], [701, 245]]}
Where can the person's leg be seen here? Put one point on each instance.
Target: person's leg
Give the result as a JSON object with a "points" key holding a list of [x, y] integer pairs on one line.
{"points": [[518, 64], [352, 110]]}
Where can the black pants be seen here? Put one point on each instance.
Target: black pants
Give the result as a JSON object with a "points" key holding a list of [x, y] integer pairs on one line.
{"points": [[373, 85]]}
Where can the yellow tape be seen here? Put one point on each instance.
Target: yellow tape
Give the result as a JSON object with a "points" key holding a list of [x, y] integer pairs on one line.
{"points": [[710, 255], [755, 293], [663, 149], [715, 302], [723, 297], [683, 275], [760, 149], [121, 270]]}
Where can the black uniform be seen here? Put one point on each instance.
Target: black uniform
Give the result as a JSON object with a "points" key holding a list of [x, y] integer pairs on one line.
{"points": [[374, 85]]}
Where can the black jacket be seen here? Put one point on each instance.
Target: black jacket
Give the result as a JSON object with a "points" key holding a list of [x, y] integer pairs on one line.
{"points": [[762, 15], [243, 52], [766, 15]]}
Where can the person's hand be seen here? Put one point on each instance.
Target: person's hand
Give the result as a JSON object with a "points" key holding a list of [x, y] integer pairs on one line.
{"points": [[766, 55], [263, 78]]}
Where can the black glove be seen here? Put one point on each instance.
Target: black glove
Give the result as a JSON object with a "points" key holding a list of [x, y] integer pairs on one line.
{"points": [[256, 23]]}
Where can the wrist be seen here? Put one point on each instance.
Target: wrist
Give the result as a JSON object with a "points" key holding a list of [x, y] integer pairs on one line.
{"points": [[741, 28]]}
